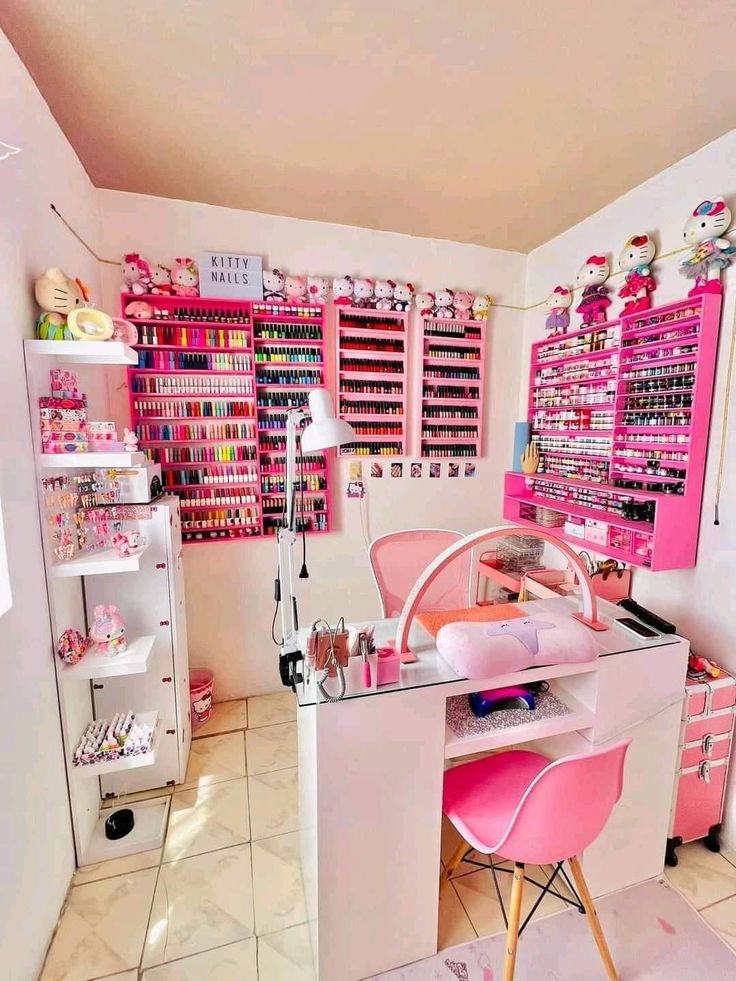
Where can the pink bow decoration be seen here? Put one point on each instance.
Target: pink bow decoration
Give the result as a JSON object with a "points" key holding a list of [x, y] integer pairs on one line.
{"points": [[640, 240], [596, 260]]}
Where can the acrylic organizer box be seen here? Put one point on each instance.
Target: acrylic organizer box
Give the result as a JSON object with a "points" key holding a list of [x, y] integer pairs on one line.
{"points": [[208, 400], [620, 414]]}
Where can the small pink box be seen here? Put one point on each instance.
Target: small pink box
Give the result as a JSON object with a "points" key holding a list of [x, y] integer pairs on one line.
{"points": [[388, 666]]}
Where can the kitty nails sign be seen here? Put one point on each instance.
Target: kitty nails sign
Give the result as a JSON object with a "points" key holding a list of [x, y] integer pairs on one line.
{"points": [[230, 276]]}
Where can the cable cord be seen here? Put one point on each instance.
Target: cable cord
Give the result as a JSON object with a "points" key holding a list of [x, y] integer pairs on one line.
{"points": [[321, 676]]}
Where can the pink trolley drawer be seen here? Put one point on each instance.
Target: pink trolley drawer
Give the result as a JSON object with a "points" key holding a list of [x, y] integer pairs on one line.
{"points": [[704, 697], [710, 747], [714, 724], [699, 799]]}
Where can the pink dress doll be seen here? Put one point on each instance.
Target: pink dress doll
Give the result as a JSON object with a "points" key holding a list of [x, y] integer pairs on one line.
{"points": [[635, 259], [711, 253], [595, 300], [185, 278], [558, 314]]}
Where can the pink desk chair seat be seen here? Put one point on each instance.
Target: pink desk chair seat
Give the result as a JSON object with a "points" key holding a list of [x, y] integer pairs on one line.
{"points": [[523, 808]]}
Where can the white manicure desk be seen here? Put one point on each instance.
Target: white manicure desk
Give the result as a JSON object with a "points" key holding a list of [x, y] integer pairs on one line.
{"points": [[370, 783]]}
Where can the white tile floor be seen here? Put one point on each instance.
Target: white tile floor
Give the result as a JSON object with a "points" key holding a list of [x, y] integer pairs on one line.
{"points": [[223, 898]]}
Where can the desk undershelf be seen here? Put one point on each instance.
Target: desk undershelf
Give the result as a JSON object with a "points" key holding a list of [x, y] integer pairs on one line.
{"points": [[500, 736], [147, 833]]}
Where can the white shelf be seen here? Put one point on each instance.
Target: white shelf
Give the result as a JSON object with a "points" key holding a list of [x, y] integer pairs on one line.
{"points": [[98, 564], [84, 352], [148, 831], [133, 661], [125, 762], [75, 461], [579, 717]]}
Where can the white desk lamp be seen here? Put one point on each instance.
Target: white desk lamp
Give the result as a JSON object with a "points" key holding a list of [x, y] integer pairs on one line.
{"points": [[322, 433]]}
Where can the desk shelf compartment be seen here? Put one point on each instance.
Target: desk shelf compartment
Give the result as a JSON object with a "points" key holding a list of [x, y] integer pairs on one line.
{"points": [[148, 719], [134, 660], [371, 379]]}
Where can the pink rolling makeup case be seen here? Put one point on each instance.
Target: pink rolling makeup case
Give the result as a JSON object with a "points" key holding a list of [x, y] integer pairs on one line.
{"points": [[709, 709]]}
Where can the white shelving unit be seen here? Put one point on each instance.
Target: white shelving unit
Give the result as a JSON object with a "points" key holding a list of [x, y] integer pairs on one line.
{"points": [[148, 719], [148, 833], [83, 352], [134, 660], [83, 461], [102, 563]]}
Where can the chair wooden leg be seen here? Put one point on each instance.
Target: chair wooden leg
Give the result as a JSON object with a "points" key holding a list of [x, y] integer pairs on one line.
{"points": [[457, 856], [593, 920], [512, 934]]}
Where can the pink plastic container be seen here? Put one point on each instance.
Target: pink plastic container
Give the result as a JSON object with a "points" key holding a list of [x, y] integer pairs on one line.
{"points": [[388, 666], [200, 693]]}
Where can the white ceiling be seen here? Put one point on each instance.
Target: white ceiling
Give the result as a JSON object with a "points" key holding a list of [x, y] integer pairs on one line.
{"points": [[490, 122]]}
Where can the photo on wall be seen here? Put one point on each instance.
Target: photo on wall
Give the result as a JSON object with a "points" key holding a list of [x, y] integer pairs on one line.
{"points": [[397, 469], [376, 470], [416, 470], [435, 469], [453, 469], [470, 470]]}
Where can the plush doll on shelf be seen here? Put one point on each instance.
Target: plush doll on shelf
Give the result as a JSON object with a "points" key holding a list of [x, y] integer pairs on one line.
{"points": [[711, 252], [443, 307], [557, 306], [130, 440], [107, 632], [295, 288], [317, 288], [274, 282], [463, 304], [481, 306], [185, 278], [160, 279], [136, 274], [635, 259], [595, 300], [58, 296], [342, 291], [139, 309], [363, 294], [383, 292], [424, 303], [403, 293]]}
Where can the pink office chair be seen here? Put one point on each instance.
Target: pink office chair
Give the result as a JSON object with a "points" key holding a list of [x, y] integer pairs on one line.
{"points": [[399, 558], [519, 806]]}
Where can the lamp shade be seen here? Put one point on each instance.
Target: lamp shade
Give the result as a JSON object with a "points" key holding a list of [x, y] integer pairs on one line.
{"points": [[325, 430]]}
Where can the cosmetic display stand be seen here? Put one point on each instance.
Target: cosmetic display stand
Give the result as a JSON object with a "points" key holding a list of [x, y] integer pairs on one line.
{"points": [[151, 676]]}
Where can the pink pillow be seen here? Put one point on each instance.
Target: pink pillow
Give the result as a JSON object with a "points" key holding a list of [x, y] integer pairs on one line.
{"points": [[483, 650]]}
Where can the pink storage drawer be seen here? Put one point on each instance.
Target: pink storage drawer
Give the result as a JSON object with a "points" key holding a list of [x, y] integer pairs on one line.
{"points": [[699, 799], [709, 696], [710, 747], [716, 723]]}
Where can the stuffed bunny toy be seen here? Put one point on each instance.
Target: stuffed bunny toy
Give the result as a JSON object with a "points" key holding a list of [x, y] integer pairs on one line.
{"points": [[108, 630]]}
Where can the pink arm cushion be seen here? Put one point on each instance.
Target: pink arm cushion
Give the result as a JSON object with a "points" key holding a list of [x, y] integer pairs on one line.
{"points": [[484, 650]]}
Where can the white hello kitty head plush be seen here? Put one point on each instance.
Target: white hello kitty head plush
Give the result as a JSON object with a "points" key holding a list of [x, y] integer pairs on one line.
{"points": [[273, 284], [594, 272], [342, 290], [463, 304], [295, 288], [638, 251], [710, 220], [403, 292], [559, 299], [184, 277], [136, 273], [363, 292], [383, 292], [481, 306], [443, 304], [317, 287], [160, 279], [424, 303]]}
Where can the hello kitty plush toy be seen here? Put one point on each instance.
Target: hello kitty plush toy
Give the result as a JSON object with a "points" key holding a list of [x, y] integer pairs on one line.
{"points": [[136, 274], [160, 280], [711, 253], [274, 282], [185, 278], [443, 304], [463, 304], [383, 292], [481, 306], [317, 287], [403, 293], [595, 300], [558, 314], [130, 440], [342, 291], [295, 288], [424, 303], [635, 259], [108, 630], [363, 293]]}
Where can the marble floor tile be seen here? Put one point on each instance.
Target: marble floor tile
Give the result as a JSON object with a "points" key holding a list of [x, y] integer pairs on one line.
{"points": [[286, 956], [722, 917], [102, 928], [454, 923], [215, 759], [201, 902], [268, 710], [274, 803], [226, 717], [271, 748], [703, 877], [208, 818], [277, 884], [234, 962], [117, 866], [125, 976]]}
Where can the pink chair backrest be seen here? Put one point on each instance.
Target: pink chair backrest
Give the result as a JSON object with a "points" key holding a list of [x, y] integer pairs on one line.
{"points": [[399, 558], [566, 807]]}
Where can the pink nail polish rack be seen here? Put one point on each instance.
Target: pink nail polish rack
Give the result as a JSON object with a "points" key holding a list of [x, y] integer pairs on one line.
{"points": [[620, 412], [452, 392], [208, 400]]}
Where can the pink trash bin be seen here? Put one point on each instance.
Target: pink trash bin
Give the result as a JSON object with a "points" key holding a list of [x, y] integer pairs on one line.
{"points": [[200, 694]]}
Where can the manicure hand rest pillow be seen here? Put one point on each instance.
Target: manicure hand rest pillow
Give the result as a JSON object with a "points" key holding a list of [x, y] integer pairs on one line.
{"points": [[482, 650]]}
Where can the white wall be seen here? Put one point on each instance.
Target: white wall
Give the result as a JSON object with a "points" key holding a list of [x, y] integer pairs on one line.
{"points": [[699, 600], [37, 856], [230, 585]]}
